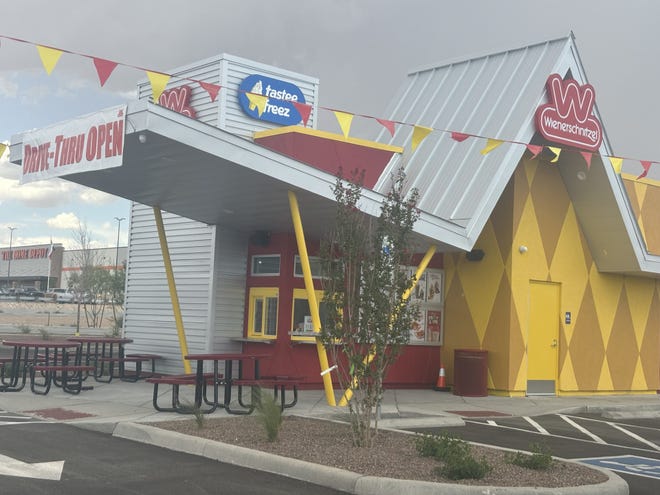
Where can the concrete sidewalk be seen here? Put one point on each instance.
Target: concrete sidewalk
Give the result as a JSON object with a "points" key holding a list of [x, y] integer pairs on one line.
{"points": [[117, 407]]}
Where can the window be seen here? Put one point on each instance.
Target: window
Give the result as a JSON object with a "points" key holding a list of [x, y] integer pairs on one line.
{"points": [[301, 316], [262, 317], [267, 264], [314, 264]]}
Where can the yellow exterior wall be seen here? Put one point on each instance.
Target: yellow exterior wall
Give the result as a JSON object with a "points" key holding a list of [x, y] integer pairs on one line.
{"points": [[613, 341]]}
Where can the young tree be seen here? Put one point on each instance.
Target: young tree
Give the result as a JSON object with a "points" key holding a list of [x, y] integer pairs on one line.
{"points": [[91, 283], [367, 321]]}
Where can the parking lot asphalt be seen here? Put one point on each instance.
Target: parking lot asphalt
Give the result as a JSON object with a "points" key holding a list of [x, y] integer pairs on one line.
{"points": [[125, 410]]}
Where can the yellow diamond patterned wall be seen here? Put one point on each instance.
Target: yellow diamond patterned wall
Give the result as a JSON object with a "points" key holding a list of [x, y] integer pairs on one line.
{"points": [[613, 341]]}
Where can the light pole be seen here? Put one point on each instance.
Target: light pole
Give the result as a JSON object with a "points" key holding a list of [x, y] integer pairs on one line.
{"points": [[119, 220], [11, 237]]}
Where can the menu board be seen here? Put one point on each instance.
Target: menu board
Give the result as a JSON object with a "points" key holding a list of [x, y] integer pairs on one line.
{"points": [[428, 293]]}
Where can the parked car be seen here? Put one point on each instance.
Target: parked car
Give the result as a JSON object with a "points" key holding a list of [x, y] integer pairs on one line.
{"points": [[31, 295], [61, 295]]}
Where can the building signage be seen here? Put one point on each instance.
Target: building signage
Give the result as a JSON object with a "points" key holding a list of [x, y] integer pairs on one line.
{"points": [[567, 118], [92, 142], [25, 254], [279, 107], [178, 99]]}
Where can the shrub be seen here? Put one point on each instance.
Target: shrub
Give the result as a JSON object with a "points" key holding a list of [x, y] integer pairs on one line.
{"points": [[540, 458], [269, 415], [44, 334], [439, 446], [200, 418], [455, 453], [24, 328], [463, 466]]}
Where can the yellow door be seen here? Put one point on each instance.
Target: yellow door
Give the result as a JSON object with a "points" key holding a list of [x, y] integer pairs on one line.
{"points": [[543, 338]]}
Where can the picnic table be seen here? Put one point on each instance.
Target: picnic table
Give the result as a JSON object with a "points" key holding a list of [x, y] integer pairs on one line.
{"points": [[214, 379], [46, 362], [108, 354]]}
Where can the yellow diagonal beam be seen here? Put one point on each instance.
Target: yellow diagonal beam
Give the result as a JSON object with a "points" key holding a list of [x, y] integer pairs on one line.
{"points": [[404, 297], [311, 298], [183, 345]]}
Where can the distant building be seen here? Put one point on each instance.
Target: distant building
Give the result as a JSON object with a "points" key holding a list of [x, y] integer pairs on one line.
{"points": [[36, 266]]}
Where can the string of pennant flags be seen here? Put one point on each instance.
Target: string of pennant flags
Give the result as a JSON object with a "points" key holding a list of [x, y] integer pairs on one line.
{"points": [[159, 80]]}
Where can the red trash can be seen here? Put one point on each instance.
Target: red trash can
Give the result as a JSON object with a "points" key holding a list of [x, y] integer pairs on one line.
{"points": [[470, 372]]}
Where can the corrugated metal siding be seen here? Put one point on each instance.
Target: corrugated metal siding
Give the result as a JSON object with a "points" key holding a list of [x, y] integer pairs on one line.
{"points": [[206, 71], [228, 71], [149, 318], [230, 275], [234, 70], [491, 96]]}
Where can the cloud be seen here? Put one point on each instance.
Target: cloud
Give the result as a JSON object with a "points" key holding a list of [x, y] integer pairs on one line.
{"points": [[46, 193], [8, 87], [94, 197], [64, 221]]}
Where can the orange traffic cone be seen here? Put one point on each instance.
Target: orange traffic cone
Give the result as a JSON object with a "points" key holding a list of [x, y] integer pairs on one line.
{"points": [[440, 385]]}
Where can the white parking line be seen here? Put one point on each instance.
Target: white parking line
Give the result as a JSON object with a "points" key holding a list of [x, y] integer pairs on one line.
{"points": [[578, 427], [538, 427], [635, 436], [491, 422]]}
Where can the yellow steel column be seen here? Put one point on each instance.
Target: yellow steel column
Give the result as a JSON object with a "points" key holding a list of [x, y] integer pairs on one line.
{"points": [[311, 297], [183, 345], [404, 297]]}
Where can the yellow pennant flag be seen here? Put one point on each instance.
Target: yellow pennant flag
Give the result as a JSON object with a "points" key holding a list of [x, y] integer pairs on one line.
{"points": [[258, 101], [617, 163], [49, 57], [491, 144], [158, 82], [3, 147], [556, 151], [419, 134], [345, 120]]}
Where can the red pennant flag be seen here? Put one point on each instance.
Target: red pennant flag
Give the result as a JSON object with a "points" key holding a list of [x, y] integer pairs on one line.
{"points": [[387, 124], [459, 136], [304, 110], [104, 68], [211, 89], [646, 164], [534, 150], [587, 157]]}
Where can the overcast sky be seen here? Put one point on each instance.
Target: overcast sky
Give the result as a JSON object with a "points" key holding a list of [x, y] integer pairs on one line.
{"points": [[361, 50]]}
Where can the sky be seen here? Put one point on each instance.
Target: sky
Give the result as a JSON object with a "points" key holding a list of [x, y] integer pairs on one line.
{"points": [[361, 51]]}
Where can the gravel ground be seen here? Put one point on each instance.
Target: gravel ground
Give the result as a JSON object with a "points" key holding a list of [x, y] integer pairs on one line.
{"points": [[393, 456]]}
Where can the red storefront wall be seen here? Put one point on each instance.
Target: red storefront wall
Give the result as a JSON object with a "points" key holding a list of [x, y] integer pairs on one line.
{"points": [[417, 367]]}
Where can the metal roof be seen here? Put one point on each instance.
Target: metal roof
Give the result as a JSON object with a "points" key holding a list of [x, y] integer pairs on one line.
{"points": [[201, 172], [496, 96]]}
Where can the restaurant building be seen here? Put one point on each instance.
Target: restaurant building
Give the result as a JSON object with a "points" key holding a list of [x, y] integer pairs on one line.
{"points": [[544, 257]]}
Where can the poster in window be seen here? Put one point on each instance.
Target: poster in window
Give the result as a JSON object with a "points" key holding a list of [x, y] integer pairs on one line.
{"points": [[434, 287], [418, 330], [433, 320], [419, 292]]}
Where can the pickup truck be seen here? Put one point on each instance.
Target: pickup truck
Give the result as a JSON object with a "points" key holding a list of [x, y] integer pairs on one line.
{"points": [[61, 295]]}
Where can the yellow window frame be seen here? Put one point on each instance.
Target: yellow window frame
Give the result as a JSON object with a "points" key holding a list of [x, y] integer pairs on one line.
{"points": [[260, 298]]}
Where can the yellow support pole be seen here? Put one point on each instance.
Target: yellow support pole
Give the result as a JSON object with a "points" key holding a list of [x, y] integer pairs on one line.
{"points": [[404, 297], [311, 298], [183, 345]]}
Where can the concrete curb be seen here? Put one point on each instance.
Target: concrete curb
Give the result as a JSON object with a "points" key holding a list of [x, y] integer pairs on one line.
{"points": [[338, 479]]}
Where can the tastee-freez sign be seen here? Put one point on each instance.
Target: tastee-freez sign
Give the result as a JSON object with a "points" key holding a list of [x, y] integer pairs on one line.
{"points": [[567, 117], [279, 108], [92, 142]]}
